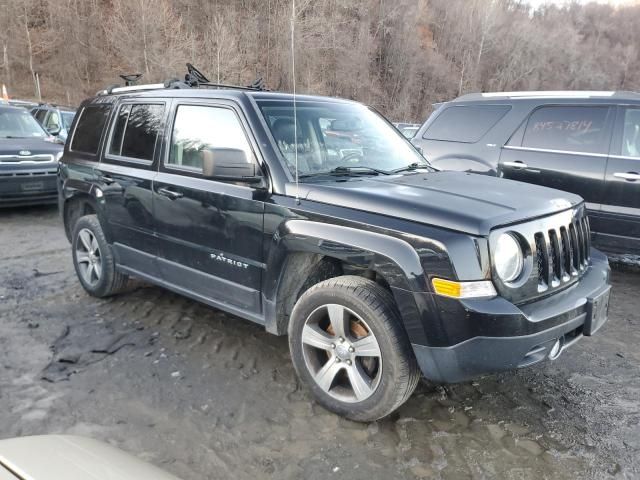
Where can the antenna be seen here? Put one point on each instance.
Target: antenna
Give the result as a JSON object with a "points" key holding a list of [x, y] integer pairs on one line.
{"points": [[295, 113]]}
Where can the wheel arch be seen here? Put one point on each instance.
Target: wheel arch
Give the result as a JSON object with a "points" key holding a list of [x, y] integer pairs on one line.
{"points": [[323, 251], [77, 206]]}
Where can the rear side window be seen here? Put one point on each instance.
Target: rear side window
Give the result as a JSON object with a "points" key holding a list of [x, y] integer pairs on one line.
{"points": [[466, 123], [86, 137], [631, 133], [136, 130], [575, 129]]}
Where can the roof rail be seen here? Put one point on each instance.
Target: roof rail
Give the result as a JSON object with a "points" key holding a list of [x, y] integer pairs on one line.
{"points": [[539, 94], [193, 79]]}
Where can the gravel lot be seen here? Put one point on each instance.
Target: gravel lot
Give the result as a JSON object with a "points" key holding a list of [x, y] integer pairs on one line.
{"points": [[206, 395]]}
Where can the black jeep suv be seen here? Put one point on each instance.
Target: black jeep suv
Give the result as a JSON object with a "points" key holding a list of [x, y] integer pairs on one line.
{"points": [[28, 160], [587, 143], [375, 265]]}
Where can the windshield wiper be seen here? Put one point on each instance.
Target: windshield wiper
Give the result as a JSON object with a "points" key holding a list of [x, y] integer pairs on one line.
{"points": [[411, 167], [344, 170]]}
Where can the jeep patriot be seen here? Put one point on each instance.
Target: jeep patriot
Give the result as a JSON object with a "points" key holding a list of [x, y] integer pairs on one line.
{"points": [[315, 218]]}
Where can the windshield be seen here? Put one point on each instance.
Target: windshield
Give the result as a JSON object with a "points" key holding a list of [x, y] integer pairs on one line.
{"points": [[67, 118], [19, 124], [343, 136]]}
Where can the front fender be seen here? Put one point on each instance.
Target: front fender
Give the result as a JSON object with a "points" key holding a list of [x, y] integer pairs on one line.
{"points": [[393, 258]]}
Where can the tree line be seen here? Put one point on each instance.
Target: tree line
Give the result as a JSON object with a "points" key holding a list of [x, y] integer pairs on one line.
{"points": [[400, 56]]}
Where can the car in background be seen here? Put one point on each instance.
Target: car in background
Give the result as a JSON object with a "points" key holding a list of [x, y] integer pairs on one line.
{"points": [[55, 119], [409, 132], [28, 104], [66, 457], [587, 143], [401, 125], [28, 159]]}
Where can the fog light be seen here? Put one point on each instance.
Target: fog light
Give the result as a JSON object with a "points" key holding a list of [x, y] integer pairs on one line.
{"points": [[555, 350]]}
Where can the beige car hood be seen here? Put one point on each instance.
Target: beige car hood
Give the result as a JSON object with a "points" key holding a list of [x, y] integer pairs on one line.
{"points": [[63, 457]]}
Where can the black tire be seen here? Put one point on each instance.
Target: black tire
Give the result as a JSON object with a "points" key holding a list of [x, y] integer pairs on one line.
{"points": [[110, 281], [399, 373]]}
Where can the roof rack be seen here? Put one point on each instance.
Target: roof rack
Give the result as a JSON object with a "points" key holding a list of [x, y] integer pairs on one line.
{"points": [[193, 79], [547, 94]]}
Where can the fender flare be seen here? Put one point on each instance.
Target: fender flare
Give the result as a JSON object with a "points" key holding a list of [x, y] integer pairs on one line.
{"points": [[393, 258]]}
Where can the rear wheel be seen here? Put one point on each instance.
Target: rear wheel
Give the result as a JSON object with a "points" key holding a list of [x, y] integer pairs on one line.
{"points": [[348, 346], [93, 259]]}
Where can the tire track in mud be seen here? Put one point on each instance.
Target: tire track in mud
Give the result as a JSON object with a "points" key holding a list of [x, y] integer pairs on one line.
{"points": [[206, 395]]}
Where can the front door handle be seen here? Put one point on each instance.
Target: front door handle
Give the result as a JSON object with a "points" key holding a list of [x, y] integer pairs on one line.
{"points": [[170, 193], [106, 179], [516, 164], [629, 176]]}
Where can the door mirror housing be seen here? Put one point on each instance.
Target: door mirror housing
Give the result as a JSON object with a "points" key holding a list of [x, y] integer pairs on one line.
{"points": [[229, 164]]}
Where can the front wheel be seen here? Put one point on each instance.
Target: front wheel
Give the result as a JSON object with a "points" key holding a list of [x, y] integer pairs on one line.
{"points": [[348, 345]]}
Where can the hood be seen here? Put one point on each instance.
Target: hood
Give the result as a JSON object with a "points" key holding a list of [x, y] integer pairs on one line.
{"points": [[64, 457], [464, 202], [11, 146]]}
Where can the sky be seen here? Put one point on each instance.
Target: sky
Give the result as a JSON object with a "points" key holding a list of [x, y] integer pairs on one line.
{"points": [[537, 3]]}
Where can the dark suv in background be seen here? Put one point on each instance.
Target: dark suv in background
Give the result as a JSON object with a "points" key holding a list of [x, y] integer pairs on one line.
{"points": [[55, 119], [586, 143], [374, 264], [28, 160]]}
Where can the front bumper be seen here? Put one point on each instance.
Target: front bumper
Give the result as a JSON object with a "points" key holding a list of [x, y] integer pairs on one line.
{"points": [[28, 184], [502, 336]]}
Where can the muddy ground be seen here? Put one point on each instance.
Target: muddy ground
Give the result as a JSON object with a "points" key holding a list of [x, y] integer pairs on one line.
{"points": [[209, 396]]}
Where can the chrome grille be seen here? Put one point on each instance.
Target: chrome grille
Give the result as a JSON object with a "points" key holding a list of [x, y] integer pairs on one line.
{"points": [[565, 259], [556, 254], [26, 158]]}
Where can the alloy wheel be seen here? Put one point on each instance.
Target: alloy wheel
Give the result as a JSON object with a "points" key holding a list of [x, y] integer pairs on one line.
{"points": [[88, 257], [341, 353]]}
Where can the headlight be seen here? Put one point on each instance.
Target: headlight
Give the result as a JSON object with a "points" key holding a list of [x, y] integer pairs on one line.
{"points": [[507, 258], [59, 156]]}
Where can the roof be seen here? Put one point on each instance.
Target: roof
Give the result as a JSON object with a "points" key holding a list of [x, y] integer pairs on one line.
{"points": [[551, 94], [4, 107], [159, 90], [55, 106]]}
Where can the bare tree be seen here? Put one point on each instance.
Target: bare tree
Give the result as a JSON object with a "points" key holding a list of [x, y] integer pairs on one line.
{"points": [[400, 56]]}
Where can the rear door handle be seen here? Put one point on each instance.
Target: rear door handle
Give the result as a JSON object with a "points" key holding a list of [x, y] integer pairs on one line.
{"points": [[106, 179], [629, 176], [516, 164], [170, 193]]}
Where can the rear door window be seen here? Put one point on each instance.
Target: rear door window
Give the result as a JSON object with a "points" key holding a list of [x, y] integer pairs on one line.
{"points": [[136, 131], [631, 133], [465, 123], [88, 131], [568, 128]]}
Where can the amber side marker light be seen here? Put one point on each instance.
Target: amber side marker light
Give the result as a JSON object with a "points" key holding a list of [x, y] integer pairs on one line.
{"points": [[450, 288]]}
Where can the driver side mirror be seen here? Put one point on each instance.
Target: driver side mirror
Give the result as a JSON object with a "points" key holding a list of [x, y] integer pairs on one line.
{"points": [[229, 164]]}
